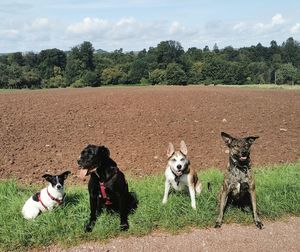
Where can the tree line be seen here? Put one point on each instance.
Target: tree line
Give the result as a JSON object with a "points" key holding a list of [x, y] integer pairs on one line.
{"points": [[167, 63]]}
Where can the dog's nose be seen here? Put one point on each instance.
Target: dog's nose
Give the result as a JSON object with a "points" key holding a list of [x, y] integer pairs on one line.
{"points": [[59, 186], [179, 166], [244, 153]]}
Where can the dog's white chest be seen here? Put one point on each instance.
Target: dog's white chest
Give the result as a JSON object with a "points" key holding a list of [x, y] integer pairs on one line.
{"points": [[178, 183]]}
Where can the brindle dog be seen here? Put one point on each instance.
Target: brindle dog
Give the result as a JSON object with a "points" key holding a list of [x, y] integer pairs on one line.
{"points": [[238, 187]]}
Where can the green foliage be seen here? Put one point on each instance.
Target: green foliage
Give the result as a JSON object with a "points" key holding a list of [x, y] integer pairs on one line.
{"points": [[48, 60], [287, 73], [78, 84], [278, 194], [113, 76], [166, 63], [138, 70], [175, 74], [195, 74], [91, 78], [157, 76]]}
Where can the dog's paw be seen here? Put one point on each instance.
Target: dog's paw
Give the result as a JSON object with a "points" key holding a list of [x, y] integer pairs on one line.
{"points": [[89, 227], [124, 227], [164, 201], [218, 225], [259, 224]]}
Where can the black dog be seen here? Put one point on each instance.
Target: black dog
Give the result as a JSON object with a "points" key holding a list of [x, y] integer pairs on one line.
{"points": [[107, 185], [239, 186]]}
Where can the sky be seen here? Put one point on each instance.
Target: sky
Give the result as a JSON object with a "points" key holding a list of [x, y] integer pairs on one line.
{"points": [[34, 25]]}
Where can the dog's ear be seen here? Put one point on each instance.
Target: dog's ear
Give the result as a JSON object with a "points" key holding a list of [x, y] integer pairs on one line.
{"points": [[65, 174], [103, 151], [227, 138], [183, 148], [48, 177], [170, 150], [251, 139]]}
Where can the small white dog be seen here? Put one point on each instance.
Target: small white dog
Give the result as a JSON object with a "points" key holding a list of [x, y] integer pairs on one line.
{"points": [[47, 198], [179, 174]]}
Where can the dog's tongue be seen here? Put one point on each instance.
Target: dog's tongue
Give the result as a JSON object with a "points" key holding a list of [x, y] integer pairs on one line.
{"points": [[243, 158], [82, 173]]}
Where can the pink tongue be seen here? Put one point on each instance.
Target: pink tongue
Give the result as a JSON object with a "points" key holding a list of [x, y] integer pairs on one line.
{"points": [[82, 173]]}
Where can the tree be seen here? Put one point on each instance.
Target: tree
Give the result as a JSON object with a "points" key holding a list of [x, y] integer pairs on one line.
{"points": [[86, 55], [57, 80], [157, 76], [16, 58], [287, 73], [30, 78], [230, 53], [138, 70], [168, 52], [31, 60], [91, 78], [74, 69], [258, 73], [195, 73], [216, 48], [3, 76], [112, 76], [175, 75], [194, 54], [291, 52], [48, 60]]}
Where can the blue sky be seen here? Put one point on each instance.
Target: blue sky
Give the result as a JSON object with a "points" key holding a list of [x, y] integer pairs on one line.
{"points": [[34, 25]]}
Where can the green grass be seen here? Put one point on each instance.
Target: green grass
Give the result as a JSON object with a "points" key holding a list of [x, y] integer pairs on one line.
{"points": [[266, 86], [278, 195]]}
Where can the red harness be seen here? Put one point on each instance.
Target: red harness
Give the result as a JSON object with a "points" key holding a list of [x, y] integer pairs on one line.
{"points": [[103, 194], [58, 201]]}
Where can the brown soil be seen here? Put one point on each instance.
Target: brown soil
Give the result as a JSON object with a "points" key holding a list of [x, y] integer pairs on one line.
{"points": [[44, 131], [276, 236]]}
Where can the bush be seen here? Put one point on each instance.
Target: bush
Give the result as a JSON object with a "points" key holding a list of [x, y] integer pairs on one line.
{"points": [[175, 75], [91, 78], [157, 76], [78, 84]]}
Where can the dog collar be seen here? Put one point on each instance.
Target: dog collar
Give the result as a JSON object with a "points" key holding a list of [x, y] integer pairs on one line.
{"points": [[177, 177], [243, 168], [40, 200], [58, 201]]}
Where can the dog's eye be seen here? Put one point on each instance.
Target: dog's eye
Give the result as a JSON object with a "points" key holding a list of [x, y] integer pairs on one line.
{"points": [[182, 159], [173, 159]]}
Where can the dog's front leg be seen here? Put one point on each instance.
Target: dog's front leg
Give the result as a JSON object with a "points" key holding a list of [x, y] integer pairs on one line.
{"points": [[93, 215], [167, 189], [223, 202], [257, 221], [193, 196], [124, 226]]}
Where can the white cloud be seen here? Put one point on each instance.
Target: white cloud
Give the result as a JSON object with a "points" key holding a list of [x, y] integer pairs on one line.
{"points": [[38, 24], [295, 29], [277, 20], [239, 26], [10, 33], [88, 25], [176, 27], [127, 29]]}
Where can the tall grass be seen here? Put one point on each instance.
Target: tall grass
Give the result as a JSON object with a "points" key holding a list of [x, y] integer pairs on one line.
{"points": [[278, 194]]}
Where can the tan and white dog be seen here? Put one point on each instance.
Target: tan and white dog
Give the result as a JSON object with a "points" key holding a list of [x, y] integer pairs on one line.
{"points": [[179, 174]]}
